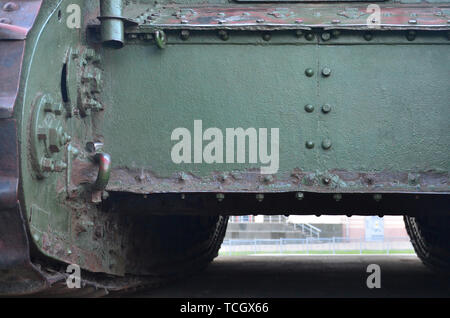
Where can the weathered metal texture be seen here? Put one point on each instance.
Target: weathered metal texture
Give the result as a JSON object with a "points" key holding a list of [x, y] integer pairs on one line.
{"points": [[380, 141], [17, 18], [332, 181], [9, 164], [289, 16], [11, 55]]}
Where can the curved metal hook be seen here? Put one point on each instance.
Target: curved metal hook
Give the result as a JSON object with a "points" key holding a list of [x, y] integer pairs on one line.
{"points": [[104, 170]]}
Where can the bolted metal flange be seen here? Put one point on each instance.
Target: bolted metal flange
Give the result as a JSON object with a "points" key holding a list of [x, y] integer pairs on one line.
{"points": [[48, 138]]}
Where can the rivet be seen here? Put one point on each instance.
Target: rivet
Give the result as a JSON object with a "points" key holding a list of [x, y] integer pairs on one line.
{"points": [[309, 36], [299, 33], [326, 36], [184, 35], [412, 21], [335, 33], [326, 71], [221, 21], [411, 35], [223, 35], [336, 21], [220, 197], [309, 144], [377, 197], [183, 196], [337, 197], [368, 36], [299, 195], [10, 6], [326, 108], [5, 21], [326, 144], [309, 72], [260, 197], [309, 108], [268, 178], [184, 21], [299, 21], [260, 21], [266, 36]]}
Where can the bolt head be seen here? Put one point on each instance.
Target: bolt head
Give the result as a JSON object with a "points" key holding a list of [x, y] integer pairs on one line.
{"points": [[184, 35], [268, 178], [337, 197], [377, 197], [326, 36], [326, 144], [309, 36], [266, 36], [223, 35], [326, 71], [220, 197], [299, 195], [10, 6], [260, 197], [368, 36], [309, 144], [326, 108], [309, 108], [335, 33], [309, 72], [411, 35]]}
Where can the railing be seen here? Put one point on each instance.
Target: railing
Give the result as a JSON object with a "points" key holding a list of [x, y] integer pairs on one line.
{"points": [[307, 228], [315, 246]]}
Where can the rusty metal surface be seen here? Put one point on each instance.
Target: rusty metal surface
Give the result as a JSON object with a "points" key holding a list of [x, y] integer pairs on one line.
{"points": [[9, 170], [11, 56], [290, 16], [335, 181], [17, 18]]}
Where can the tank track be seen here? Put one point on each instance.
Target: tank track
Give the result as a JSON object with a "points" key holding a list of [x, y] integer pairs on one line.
{"points": [[430, 237], [187, 262]]}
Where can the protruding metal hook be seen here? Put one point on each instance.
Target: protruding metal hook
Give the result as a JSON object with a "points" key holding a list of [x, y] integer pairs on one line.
{"points": [[104, 170]]}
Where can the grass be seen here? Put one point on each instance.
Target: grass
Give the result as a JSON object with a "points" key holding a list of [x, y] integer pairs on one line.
{"points": [[316, 252]]}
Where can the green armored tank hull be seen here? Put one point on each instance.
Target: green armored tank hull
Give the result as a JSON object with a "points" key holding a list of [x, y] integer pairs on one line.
{"points": [[131, 130]]}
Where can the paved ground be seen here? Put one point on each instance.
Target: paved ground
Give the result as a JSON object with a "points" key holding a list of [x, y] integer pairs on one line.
{"points": [[307, 276]]}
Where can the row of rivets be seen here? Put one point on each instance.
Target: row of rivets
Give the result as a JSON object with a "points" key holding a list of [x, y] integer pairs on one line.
{"points": [[298, 195]]}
